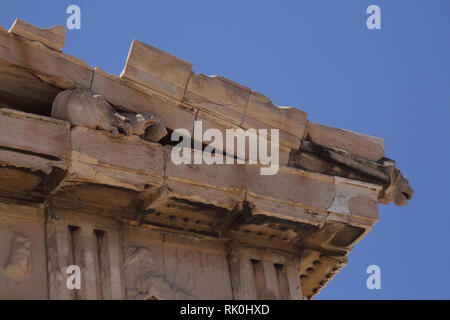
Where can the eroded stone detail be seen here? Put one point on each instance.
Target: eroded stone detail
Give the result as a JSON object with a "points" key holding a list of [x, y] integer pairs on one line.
{"points": [[336, 162], [19, 262], [82, 107], [398, 191], [141, 281]]}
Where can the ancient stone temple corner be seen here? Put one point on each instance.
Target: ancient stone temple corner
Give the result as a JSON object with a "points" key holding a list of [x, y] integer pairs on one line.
{"points": [[87, 179]]}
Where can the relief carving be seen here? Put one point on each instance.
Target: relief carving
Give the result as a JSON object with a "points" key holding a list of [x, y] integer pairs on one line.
{"points": [[141, 281], [19, 262]]}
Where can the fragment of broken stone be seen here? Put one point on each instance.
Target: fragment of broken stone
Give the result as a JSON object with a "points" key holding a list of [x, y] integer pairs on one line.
{"points": [[53, 37], [82, 107]]}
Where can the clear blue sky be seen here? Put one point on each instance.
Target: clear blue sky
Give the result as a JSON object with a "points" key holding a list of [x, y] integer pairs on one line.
{"points": [[319, 56]]}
